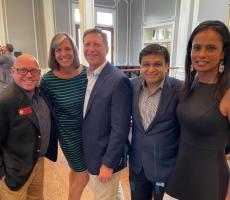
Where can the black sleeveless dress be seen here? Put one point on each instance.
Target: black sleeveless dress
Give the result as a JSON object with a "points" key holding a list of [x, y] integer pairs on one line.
{"points": [[201, 171]]}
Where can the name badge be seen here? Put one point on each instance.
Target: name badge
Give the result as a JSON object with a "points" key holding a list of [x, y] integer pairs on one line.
{"points": [[25, 111]]}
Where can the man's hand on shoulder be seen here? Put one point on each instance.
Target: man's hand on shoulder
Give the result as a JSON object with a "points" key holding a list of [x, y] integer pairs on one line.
{"points": [[105, 174]]}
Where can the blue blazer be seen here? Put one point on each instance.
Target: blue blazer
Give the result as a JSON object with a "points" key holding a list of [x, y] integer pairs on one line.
{"points": [[106, 123], [155, 149]]}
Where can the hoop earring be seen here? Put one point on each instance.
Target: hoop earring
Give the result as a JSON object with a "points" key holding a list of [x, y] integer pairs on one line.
{"points": [[221, 67]]}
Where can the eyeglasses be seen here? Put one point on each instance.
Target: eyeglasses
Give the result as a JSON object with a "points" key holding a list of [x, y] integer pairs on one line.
{"points": [[24, 71]]}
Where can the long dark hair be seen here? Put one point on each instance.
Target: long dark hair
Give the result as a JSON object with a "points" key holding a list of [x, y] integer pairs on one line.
{"points": [[223, 78]]}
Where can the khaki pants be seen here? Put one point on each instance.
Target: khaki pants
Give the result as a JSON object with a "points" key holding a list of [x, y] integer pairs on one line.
{"points": [[106, 191], [167, 197], [31, 190]]}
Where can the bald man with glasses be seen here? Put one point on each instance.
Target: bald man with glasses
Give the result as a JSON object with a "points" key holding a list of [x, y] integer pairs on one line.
{"points": [[28, 134]]}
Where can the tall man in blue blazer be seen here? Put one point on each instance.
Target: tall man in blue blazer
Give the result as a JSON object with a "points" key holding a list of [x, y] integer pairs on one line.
{"points": [[155, 129], [107, 113], [28, 134]]}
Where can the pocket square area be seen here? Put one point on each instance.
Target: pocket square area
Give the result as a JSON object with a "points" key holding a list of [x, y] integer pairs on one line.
{"points": [[25, 111]]}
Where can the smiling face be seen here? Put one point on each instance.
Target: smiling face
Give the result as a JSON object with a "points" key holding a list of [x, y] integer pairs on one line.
{"points": [[64, 54], [153, 69], [28, 81], [95, 50], [206, 54]]}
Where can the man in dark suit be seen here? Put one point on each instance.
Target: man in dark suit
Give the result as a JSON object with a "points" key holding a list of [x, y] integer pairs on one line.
{"points": [[28, 134], [107, 113], [155, 129]]}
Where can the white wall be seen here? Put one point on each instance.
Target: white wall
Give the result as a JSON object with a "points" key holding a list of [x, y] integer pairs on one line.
{"points": [[213, 10], [20, 26]]}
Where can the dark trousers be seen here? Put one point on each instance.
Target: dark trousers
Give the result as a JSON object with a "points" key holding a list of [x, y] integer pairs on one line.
{"points": [[143, 189]]}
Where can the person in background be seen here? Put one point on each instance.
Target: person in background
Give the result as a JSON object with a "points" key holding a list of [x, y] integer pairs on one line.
{"points": [[201, 170], [64, 86], [106, 120], [155, 128], [28, 134], [7, 60]]}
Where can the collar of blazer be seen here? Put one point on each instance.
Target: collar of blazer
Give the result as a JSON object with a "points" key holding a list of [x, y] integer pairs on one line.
{"points": [[167, 92], [100, 80]]}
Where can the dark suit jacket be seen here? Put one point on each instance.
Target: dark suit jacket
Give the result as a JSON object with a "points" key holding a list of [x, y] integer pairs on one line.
{"points": [[106, 122], [155, 149], [19, 138]]}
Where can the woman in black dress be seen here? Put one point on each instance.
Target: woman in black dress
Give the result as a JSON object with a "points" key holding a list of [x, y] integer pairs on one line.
{"points": [[201, 171]]}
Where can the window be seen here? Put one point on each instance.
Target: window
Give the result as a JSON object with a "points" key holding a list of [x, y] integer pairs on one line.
{"points": [[77, 30], [105, 21], [77, 16], [104, 18]]}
